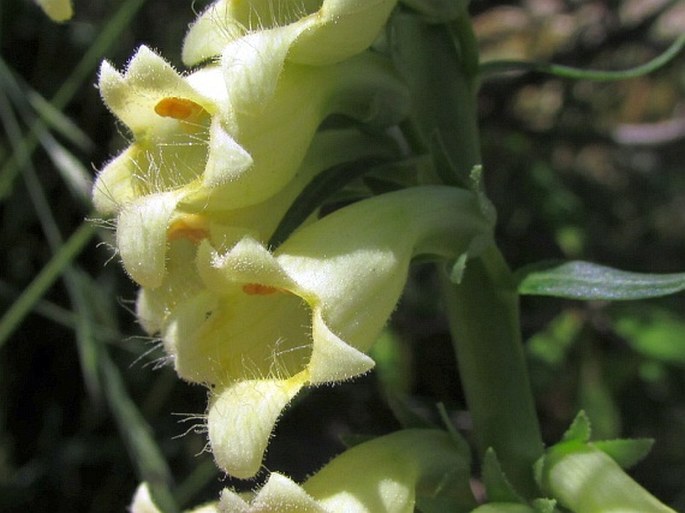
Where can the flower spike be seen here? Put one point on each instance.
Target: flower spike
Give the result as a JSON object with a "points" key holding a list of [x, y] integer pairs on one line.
{"points": [[306, 314]]}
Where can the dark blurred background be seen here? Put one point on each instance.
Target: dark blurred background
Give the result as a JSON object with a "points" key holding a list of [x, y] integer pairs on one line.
{"points": [[577, 170]]}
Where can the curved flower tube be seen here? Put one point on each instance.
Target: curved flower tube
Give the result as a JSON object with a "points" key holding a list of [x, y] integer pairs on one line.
{"points": [[585, 479], [425, 464], [193, 153], [263, 325], [313, 31]]}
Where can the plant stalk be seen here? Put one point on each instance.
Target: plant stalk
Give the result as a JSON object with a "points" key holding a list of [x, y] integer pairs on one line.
{"points": [[440, 65], [483, 314]]}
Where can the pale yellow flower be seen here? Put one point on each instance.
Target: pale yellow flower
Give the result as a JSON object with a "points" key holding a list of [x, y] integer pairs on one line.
{"points": [[193, 152], [311, 31], [258, 326]]}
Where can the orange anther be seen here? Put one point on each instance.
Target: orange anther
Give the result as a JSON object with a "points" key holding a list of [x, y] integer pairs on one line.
{"points": [[257, 289], [177, 108], [191, 226]]}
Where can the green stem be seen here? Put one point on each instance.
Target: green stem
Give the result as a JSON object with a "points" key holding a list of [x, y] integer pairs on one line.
{"points": [[483, 309], [559, 70], [484, 321]]}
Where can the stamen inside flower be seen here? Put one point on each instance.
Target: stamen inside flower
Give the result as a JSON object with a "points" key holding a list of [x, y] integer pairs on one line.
{"points": [[191, 226], [257, 289], [178, 108]]}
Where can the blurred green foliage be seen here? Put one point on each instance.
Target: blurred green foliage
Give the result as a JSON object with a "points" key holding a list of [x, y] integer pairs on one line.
{"points": [[88, 406]]}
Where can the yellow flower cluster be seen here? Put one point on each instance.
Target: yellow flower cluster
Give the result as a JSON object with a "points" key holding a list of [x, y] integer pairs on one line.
{"points": [[217, 157]]}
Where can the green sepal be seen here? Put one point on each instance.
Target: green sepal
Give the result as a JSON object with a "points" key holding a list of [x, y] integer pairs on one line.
{"points": [[587, 477], [456, 437], [477, 186], [350, 440], [626, 452], [444, 167], [580, 429], [497, 486], [406, 414], [544, 505], [379, 186]]}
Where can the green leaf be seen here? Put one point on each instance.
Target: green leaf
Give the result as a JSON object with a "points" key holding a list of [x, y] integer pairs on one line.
{"points": [[589, 281], [444, 167], [320, 189], [595, 397], [655, 333], [552, 344], [458, 440], [393, 363], [626, 452]]}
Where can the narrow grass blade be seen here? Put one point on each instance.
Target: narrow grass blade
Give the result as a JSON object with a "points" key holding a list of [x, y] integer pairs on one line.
{"points": [[137, 434], [82, 72], [44, 280]]}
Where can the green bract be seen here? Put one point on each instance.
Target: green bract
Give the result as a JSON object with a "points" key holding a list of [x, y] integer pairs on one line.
{"points": [[258, 326]]}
